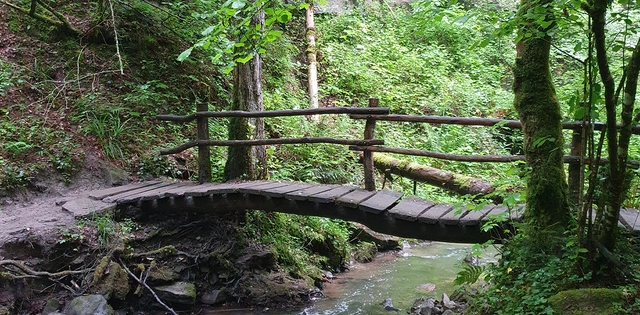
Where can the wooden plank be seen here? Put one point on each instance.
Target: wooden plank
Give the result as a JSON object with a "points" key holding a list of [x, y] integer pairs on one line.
{"points": [[162, 192], [258, 188], [217, 188], [434, 213], [180, 191], [152, 193], [454, 216], [281, 191], [409, 209], [332, 194], [381, 201], [114, 198], [475, 217], [85, 207], [354, 198], [305, 193], [630, 218], [103, 193]]}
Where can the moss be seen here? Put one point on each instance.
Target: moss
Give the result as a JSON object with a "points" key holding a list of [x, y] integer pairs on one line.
{"points": [[598, 301], [111, 280], [364, 252]]}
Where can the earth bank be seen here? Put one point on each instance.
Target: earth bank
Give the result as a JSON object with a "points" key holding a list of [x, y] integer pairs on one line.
{"points": [[130, 256]]}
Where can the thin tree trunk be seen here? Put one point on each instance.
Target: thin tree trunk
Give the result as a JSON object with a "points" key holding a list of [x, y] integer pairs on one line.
{"points": [[311, 58], [539, 111]]}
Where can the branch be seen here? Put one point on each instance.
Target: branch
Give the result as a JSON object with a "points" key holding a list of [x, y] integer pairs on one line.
{"points": [[140, 281], [26, 272]]}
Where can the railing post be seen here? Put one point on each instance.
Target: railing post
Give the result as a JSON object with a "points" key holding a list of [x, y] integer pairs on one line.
{"points": [[204, 152], [575, 178], [369, 133]]}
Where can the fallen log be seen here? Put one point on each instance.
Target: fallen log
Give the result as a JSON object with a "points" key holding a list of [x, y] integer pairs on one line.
{"points": [[458, 183]]}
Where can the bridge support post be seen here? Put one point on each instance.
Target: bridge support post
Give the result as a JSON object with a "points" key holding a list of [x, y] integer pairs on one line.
{"points": [[204, 152], [369, 133], [575, 169]]}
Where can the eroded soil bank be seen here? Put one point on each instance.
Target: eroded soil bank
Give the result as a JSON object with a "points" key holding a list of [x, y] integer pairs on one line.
{"points": [[129, 257]]}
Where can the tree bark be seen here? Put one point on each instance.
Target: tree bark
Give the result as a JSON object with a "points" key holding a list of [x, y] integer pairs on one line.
{"points": [[539, 111], [247, 162], [311, 59], [617, 141], [458, 183]]}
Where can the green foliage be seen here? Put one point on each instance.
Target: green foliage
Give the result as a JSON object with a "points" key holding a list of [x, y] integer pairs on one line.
{"points": [[529, 272], [301, 244], [469, 275]]}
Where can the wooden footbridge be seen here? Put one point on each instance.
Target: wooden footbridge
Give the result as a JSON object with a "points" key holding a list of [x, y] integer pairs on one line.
{"points": [[384, 211]]}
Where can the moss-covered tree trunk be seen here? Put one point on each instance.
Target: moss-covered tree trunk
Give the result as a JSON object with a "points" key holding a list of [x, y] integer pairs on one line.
{"points": [[247, 162], [539, 111]]}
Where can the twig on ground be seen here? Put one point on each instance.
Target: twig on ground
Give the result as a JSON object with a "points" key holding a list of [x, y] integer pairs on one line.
{"points": [[140, 281]]}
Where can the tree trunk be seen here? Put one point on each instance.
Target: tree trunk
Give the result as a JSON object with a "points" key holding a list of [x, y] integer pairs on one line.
{"points": [[460, 184], [247, 162], [617, 143], [539, 111], [311, 58]]}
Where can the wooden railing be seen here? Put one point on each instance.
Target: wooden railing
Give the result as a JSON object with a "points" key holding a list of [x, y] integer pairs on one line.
{"points": [[369, 144], [203, 142]]}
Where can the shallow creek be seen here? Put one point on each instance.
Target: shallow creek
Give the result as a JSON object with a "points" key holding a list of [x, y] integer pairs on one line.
{"points": [[395, 275], [398, 276]]}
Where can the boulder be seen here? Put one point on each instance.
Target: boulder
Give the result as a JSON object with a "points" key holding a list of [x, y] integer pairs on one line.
{"points": [[214, 297], [177, 293], [88, 305], [51, 306], [111, 280]]}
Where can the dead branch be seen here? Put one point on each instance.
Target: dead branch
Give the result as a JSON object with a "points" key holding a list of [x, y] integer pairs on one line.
{"points": [[21, 271], [140, 281]]}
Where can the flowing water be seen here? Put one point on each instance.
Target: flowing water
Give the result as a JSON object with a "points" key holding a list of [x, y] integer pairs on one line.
{"points": [[402, 276]]}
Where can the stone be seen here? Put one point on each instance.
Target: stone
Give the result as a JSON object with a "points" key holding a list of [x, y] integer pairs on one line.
{"points": [[111, 280], [472, 260], [51, 306], [162, 275], [448, 312], [388, 305], [88, 305], [257, 259], [426, 287], [447, 303], [214, 297], [177, 293], [4, 310], [424, 306]]}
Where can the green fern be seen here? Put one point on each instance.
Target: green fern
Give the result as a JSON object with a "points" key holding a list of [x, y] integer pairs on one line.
{"points": [[469, 275]]}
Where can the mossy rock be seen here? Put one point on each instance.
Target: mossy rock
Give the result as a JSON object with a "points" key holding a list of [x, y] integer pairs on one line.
{"points": [[597, 301], [111, 280]]}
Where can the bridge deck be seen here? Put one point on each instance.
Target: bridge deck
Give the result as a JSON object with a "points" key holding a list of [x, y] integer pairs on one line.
{"points": [[384, 211]]}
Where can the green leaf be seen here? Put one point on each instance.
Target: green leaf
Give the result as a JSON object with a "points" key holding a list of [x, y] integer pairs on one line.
{"points": [[185, 54], [244, 59], [284, 17], [238, 4], [208, 30]]}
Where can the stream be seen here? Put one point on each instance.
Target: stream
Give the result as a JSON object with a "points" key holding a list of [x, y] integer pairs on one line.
{"points": [[395, 275]]}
